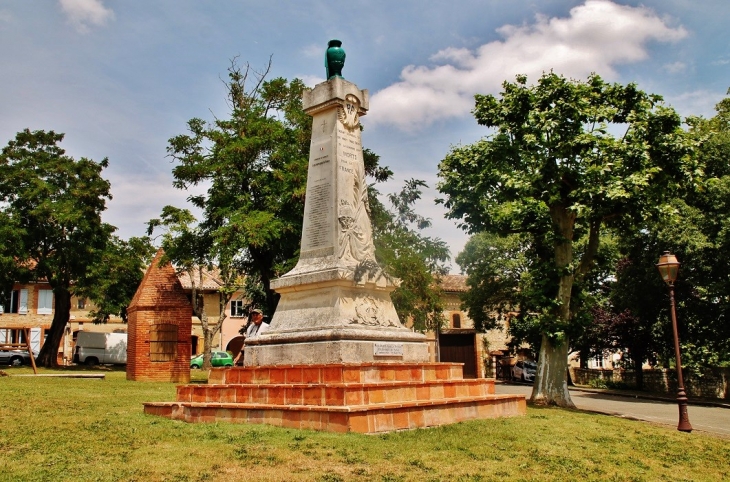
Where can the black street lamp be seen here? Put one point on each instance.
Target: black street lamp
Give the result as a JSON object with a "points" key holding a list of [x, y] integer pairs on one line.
{"points": [[668, 268]]}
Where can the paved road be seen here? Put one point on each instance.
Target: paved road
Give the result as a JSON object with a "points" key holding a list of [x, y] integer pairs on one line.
{"points": [[707, 419]]}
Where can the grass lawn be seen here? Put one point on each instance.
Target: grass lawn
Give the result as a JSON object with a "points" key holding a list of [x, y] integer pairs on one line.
{"points": [[83, 429]]}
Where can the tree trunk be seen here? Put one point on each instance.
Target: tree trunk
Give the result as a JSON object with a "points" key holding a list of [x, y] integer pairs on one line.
{"points": [[639, 372], [551, 386], [207, 345], [48, 356]]}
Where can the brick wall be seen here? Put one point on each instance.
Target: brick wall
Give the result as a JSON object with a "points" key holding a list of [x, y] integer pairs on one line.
{"points": [[160, 299]]}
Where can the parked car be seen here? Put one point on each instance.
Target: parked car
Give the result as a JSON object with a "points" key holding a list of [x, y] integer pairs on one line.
{"points": [[217, 359], [524, 370], [16, 358]]}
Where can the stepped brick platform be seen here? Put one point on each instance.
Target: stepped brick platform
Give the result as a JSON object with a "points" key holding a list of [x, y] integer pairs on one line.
{"points": [[364, 398]]}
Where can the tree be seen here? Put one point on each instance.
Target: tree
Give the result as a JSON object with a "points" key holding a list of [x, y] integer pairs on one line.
{"points": [[10, 245], [55, 202], [255, 164], [495, 267], [554, 170], [192, 251], [697, 230], [415, 259], [112, 282]]}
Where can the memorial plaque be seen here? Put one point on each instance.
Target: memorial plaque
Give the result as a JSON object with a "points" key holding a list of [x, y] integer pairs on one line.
{"points": [[318, 228], [388, 349]]}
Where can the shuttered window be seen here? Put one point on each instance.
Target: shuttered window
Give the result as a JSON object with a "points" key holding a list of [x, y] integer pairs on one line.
{"points": [[45, 302], [163, 342]]}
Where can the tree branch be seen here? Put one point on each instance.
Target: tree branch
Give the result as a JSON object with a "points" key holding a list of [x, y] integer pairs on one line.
{"points": [[591, 250]]}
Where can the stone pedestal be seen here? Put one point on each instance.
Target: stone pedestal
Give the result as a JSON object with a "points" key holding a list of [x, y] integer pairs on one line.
{"points": [[335, 304]]}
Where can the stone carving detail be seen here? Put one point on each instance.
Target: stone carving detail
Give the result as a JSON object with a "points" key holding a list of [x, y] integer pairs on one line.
{"points": [[356, 232], [369, 312], [349, 112]]}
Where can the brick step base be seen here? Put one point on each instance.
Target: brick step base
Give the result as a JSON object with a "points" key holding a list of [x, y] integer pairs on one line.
{"points": [[385, 417], [340, 373], [332, 394], [367, 398]]}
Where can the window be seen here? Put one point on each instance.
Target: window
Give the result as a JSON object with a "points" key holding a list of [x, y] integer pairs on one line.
{"points": [[456, 320], [45, 302], [17, 302], [598, 361], [237, 309], [163, 342], [80, 303]]}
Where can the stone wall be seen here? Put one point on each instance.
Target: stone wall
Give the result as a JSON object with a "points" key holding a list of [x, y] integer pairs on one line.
{"points": [[709, 383]]}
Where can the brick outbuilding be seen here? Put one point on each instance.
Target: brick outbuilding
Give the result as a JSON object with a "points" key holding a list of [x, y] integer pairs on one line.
{"points": [[158, 347]]}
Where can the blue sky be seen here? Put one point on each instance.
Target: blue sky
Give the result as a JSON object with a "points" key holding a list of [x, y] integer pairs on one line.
{"points": [[120, 78]]}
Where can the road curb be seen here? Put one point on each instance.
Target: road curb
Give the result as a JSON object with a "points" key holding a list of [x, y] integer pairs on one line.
{"points": [[641, 396]]}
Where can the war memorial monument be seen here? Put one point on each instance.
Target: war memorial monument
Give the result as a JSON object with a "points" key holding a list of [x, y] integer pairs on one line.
{"points": [[336, 356]]}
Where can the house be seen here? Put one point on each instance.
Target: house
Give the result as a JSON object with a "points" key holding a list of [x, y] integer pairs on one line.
{"points": [[31, 305], [460, 342], [229, 338]]}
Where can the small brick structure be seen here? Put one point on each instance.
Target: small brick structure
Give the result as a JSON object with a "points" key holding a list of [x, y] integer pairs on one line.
{"points": [[160, 324], [364, 398]]}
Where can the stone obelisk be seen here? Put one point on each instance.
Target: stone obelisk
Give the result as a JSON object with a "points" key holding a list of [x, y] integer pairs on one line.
{"points": [[335, 305]]}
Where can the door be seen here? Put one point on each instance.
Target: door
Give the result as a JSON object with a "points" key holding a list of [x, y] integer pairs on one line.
{"points": [[459, 348]]}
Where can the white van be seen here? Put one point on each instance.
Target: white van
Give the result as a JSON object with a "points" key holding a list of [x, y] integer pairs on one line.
{"points": [[104, 348]]}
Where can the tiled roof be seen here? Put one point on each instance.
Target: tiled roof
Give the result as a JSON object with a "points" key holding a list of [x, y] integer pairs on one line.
{"points": [[211, 279], [454, 283], [160, 287]]}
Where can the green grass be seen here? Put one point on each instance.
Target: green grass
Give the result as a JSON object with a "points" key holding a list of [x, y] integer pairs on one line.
{"points": [[80, 429]]}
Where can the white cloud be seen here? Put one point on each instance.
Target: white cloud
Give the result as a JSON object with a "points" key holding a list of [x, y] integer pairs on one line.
{"points": [[136, 200], [85, 13], [698, 102], [595, 37], [675, 68], [311, 80], [313, 51]]}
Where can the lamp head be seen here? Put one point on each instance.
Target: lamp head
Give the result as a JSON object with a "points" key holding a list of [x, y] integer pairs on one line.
{"points": [[668, 267]]}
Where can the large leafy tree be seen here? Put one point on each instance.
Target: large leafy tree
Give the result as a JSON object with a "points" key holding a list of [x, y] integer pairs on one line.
{"points": [[415, 259], [566, 159], [697, 230], [496, 268], [254, 163], [112, 282], [55, 202]]}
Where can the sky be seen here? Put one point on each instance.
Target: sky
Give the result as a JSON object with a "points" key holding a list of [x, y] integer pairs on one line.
{"points": [[120, 78]]}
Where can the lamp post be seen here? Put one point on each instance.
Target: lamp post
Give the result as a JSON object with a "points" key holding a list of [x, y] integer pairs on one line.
{"points": [[668, 268]]}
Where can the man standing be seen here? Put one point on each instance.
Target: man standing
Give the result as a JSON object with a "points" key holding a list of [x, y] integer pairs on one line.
{"points": [[256, 327]]}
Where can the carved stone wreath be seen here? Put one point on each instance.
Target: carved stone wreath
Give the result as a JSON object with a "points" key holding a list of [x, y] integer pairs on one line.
{"points": [[369, 312], [349, 112]]}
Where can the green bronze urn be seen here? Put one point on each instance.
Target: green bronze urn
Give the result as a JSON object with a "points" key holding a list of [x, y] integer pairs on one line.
{"points": [[334, 59]]}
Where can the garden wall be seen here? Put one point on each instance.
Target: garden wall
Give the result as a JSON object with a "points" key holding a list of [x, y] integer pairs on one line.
{"points": [[708, 383]]}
